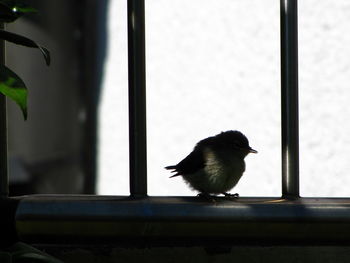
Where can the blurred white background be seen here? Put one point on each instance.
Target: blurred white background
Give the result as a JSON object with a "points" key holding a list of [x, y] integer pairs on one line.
{"points": [[214, 66]]}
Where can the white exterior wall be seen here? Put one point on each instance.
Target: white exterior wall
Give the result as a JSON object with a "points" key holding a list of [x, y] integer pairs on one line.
{"points": [[214, 66]]}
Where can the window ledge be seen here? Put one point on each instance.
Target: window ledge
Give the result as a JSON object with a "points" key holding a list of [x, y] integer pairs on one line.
{"points": [[90, 218]]}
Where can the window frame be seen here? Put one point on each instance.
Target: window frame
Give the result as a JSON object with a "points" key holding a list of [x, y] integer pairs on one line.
{"points": [[139, 218]]}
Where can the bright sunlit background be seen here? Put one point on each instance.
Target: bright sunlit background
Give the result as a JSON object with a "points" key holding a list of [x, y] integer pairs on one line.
{"points": [[214, 66]]}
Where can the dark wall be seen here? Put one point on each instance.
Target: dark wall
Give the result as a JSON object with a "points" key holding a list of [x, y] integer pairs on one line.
{"points": [[54, 151]]}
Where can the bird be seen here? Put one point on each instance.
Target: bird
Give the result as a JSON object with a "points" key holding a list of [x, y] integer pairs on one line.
{"points": [[215, 165]]}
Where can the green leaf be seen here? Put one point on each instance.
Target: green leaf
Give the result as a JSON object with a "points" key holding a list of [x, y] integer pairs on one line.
{"points": [[6, 14], [10, 10], [21, 252], [13, 87], [21, 40], [36, 257], [19, 9]]}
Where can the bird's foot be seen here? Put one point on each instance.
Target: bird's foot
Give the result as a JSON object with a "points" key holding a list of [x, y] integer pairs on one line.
{"points": [[230, 196], [207, 197]]}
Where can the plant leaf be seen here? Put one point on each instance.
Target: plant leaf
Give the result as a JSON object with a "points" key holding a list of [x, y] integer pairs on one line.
{"points": [[36, 257], [13, 87], [24, 9], [10, 10], [21, 40], [22, 252], [6, 14]]}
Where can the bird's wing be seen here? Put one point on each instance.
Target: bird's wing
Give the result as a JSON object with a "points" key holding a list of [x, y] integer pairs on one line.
{"points": [[191, 164]]}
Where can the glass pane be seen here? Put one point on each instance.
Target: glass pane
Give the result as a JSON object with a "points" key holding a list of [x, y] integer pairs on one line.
{"points": [[113, 130], [213, 66], [324, 50]]}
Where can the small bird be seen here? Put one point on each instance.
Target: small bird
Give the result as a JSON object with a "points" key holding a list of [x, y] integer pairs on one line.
{"points": [[216, 164]]}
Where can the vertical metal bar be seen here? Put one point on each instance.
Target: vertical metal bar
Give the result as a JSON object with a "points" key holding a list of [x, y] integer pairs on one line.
{"points": [[137, 98], [4, 182], [289, 97]]}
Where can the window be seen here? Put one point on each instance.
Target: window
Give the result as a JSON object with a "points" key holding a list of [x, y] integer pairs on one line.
{"points": [[139, 218], [204, 74], [324, 77]]}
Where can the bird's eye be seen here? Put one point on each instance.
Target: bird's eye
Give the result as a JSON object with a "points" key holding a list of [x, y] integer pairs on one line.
{"points": [[236, 144], [239, 145]]}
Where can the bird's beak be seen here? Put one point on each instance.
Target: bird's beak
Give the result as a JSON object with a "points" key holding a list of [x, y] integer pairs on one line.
{"points": [[252, 150]]}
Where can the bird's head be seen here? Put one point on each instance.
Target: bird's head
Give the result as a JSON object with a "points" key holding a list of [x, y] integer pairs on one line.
{"points": [[235, 140]]}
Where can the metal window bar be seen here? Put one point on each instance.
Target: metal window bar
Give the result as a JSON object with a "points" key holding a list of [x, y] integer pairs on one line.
{"points": [[137, 98], [4, 190], [289, 97]]}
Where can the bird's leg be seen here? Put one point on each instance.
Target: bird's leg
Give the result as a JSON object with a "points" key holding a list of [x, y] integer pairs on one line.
{"points": [[206, 196], [228, 195]]}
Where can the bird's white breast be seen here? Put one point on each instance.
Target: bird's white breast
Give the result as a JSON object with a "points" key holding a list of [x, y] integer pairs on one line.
{"points": [[221, 173]]}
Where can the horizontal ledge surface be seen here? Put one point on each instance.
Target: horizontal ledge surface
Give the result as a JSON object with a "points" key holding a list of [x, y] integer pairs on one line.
{"points": [[90, 217]]}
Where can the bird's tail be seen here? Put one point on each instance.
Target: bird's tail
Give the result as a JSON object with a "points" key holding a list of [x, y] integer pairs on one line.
{"points": [[172, 167]]}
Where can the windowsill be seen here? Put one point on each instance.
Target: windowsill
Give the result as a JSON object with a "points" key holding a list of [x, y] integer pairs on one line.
{"points": [[95, 219]]}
